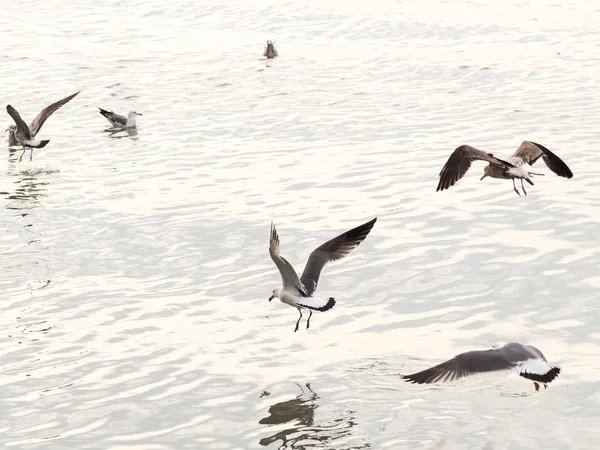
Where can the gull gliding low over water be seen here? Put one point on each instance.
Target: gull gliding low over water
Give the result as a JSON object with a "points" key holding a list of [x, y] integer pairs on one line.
{"points": [[529, 362], [117, 120], [37, 123], [514, 167], [298, 292], [23, 133]]}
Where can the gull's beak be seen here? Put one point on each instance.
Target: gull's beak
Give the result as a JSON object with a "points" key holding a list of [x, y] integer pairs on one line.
{"points": [[139, 114], [271, 297]]}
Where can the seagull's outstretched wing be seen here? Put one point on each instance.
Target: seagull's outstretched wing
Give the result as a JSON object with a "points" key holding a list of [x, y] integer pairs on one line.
{"points": [[37, 123], [459, 162], [21, 125], [530, 152], [333, 250], [289, 277], [462, 365], [113, 118]]}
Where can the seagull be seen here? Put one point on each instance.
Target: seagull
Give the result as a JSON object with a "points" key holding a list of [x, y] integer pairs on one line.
{"points": [[529, 362], [117, 120], [514, 167], [23, 134], [37, 123], [298, 292], [270, 51]]}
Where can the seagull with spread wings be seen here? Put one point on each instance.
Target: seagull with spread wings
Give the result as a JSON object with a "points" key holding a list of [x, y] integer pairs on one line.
{"points": [[514, 167], [37, 123], [527, 360], [298, 292], [23, 133]]}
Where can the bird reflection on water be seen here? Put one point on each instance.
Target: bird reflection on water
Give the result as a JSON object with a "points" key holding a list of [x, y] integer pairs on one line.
{"points": [[304, 434]]}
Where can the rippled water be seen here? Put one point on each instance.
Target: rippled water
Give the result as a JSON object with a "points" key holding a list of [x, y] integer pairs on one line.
{"points": [[135, 270]]}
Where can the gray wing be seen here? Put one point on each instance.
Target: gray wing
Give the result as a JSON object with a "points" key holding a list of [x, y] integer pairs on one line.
{"points": [[459, 162], [530, 152], [333, 250], [462, 365], [113, 118], [37, 123], [289, 277], [21, 125], [534, 351]]}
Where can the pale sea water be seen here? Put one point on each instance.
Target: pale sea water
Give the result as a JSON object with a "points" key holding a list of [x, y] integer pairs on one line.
{"points": [[134, 266]]}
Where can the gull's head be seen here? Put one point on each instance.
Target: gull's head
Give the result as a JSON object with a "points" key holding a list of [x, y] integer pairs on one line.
{"points": [[498, 345], [486, 172], [11, 128], [133, 114], [276, 293]]}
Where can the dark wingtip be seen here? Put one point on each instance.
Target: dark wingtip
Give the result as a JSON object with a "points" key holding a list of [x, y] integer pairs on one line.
{"points": [[555, 164], [43, 143], [542, 378], [330, 304]]}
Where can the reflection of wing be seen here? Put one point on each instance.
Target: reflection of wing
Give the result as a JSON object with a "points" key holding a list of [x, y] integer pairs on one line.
{"points": [[333, 250], [37, 123], [289, 277], [459, 162], [530, 152], [21, 125]]}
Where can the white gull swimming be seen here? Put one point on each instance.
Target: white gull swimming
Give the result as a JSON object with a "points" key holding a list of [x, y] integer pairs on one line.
{"points": [[117, 120]]}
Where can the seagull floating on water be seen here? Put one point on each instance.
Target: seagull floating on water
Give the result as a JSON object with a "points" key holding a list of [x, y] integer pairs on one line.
{"points": [[23, 134], [529, 362], [270, 51], [298, 292], [117, 120], [37, 123], [514, 167]]}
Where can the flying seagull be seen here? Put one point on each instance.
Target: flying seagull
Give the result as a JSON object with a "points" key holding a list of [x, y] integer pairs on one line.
{"points": [[23, 133], [270, 51], [529, 362], [117, 120], [298, 292], [37, 123], [514, 167]]}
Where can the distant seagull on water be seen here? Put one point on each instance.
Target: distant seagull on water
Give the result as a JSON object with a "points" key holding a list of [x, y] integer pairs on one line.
{"points": [[270, 51], [37, 123], [527, 360], [297, 292], [23, 134], [117, 120], [514, 167]]}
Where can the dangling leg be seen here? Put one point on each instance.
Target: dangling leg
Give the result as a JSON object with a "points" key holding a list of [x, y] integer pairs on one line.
{"points": [[523, 187], [545, 386], [21, 157], [31, 155], [515, 188], [298, 323], [537, 386], [308, 321]]}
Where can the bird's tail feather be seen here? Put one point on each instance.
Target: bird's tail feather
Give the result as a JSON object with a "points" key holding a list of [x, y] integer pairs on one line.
{"points": [[317, 304]]}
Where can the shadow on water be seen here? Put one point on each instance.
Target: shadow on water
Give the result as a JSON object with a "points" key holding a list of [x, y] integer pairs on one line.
{"points": [[303, 433], [29, 188]]}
